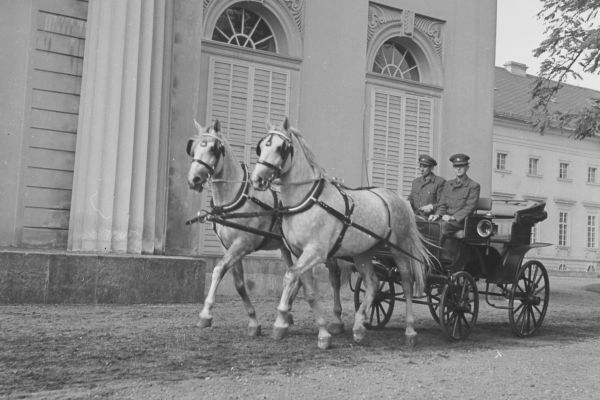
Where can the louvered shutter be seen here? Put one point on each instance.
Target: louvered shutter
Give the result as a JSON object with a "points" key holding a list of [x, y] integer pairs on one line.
{"points": [[386, 140], [401, 129], [243, 96], [417, 137]]}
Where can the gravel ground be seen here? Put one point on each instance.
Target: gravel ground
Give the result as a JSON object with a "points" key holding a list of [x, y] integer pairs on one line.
{"points": [[156, 352]]}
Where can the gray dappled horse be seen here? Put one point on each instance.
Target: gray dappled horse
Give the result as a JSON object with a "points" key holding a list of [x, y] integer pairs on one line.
{"points": [[213, 160], [318, 222]]}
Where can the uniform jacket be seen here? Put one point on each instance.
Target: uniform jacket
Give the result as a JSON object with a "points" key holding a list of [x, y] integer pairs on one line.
{"points": [[459, 198], [426, 191]]}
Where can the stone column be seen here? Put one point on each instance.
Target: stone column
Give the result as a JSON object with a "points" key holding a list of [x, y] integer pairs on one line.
{"points": [[120, 165]]}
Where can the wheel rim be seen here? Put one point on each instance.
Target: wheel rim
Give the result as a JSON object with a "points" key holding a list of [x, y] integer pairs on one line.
{"points": [[434, 296], [383, 304], [459, 306], [529, 299]]}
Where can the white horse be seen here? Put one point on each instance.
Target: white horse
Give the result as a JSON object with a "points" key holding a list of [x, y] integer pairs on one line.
{"points": [[213, 160], [324, 220]]}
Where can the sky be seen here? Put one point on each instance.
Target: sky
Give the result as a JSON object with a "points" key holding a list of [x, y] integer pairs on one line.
{"points": [[519, 32]]}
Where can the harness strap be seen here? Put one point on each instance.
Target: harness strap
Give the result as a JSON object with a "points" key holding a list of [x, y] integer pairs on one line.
{"points": [[309, 200], [389, 215], [345, 218], [240, 197], [274, 218], [220, 221]]}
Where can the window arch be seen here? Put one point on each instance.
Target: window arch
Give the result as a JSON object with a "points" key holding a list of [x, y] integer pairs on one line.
{"points": [[396, 61], [242, 27], [272, 15]]}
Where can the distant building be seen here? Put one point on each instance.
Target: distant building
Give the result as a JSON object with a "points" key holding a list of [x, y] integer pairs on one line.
{"points": [[554, 168]]}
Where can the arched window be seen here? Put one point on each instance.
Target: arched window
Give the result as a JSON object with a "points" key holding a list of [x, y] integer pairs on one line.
{"points": [[241, 27], [396, 61]]}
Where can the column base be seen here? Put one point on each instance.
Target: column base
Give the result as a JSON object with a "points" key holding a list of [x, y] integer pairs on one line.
{"points": [[32, 276]]}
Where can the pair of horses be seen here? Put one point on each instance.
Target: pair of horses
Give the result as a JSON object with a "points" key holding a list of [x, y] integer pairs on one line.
{"points": [[320, 222]]}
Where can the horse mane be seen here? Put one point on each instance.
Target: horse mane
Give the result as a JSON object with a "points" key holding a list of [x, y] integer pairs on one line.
{"points": [[310, 156]]}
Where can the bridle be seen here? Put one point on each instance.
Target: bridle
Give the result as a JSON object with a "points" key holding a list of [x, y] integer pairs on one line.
{"points": [[218, 151], [286, 151]]}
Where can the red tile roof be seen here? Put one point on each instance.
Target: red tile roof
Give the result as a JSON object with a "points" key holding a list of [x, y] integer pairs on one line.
{"points": [[512, 95]]}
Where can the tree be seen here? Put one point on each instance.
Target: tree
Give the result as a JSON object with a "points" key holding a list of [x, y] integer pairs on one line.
{"points": [[572, 42]]}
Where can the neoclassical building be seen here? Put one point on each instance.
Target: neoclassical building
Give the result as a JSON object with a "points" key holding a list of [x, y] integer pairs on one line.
{"points": [[554, 168], [105, 93]]}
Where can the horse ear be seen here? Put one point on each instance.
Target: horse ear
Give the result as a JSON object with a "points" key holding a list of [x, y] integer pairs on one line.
{"points": [[286, 124], [198, 126], [217, 126]]}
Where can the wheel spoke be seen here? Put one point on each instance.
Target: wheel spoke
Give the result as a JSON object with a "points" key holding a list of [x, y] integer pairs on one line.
{"points": [[540, 289], [520, 315], [456, 325], [517, 308], [465, 321], [532, 313]]}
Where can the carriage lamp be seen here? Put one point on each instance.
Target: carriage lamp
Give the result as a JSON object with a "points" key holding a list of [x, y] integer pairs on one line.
{"points": [[485, 228]]}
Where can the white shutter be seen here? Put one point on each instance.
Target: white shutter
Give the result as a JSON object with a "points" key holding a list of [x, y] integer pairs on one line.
{"points": [[401, 129], [386, 140], [243, 96]]}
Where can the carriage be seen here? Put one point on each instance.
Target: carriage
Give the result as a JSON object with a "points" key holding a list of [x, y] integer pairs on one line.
{"points": [[316, 219], [492, 247]]}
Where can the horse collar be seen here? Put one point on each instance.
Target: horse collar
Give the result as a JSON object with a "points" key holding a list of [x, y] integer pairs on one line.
{"points": [[240, 197], [309, 200]]}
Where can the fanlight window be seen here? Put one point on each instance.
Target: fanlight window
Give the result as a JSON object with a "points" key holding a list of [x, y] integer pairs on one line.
{"points": [[396, 61], [240, 27]]}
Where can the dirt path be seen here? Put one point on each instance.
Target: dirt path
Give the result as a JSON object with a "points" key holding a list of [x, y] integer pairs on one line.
{"points": [[156, 352]]}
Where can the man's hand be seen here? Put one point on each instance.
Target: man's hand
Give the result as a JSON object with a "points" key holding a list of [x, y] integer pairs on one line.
{"points": [[448, 218], [433, 217], [427, 208]]}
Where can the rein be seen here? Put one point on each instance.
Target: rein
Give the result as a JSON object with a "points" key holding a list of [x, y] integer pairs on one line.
{"points": [[222, 214]]}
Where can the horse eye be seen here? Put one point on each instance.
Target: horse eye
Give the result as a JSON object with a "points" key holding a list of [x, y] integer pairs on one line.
{"points": [[203, 143]]}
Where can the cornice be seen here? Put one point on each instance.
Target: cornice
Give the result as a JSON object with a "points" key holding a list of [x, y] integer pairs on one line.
{"points": [[590, 204], [381, 16], [566, 202]]}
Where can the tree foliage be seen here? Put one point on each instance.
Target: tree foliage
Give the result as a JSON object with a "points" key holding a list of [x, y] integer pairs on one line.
{"points": [[571, 43]]}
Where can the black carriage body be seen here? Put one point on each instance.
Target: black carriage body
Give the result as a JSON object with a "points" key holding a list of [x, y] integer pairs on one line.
{"points": [[488, 253]]}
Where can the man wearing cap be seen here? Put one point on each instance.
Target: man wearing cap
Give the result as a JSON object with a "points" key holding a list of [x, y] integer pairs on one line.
{"points": [[459, 197], [426, 189]]}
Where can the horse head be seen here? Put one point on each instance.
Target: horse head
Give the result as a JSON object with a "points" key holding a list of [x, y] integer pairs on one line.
{"points": [[206, 149], [274, 151]]}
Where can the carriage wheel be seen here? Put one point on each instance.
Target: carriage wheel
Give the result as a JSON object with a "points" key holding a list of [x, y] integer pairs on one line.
{"points": [[434, 295], [529, 299], [383, 304], [459, 306]]}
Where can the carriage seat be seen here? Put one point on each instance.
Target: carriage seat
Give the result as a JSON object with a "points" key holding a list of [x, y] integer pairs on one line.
{"points": [[483, 204]]}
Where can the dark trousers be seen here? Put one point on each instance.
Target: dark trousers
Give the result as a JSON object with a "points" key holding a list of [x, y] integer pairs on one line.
{"points": [[451, 247]]}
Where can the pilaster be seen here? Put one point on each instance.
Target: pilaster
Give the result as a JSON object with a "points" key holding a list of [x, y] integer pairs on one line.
{"points": [[116, 193]]}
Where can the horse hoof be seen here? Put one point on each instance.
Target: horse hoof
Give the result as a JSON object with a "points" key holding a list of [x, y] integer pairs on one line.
{"points": [[359, 334], [279, 333], [289, 319], [204, 323], [411, 340], [254, 331], [324, 342], [336, 328]]}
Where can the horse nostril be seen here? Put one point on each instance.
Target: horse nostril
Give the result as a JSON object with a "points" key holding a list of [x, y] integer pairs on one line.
{"points": [[196, 179]]}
